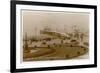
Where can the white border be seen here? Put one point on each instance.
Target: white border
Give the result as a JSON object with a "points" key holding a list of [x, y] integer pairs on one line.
{"points": [[37, 64]]}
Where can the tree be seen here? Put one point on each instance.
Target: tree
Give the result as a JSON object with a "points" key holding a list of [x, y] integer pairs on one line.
{"points": [[26, 44]]}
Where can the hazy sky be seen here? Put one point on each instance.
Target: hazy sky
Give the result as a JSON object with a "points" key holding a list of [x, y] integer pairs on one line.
{"points": [[34, 21]]}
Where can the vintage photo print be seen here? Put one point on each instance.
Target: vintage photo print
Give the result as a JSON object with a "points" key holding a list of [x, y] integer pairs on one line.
{"points": [[54, 35]]}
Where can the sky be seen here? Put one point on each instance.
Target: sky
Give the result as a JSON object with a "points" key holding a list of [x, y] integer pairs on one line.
{"points": [[34, 21]]}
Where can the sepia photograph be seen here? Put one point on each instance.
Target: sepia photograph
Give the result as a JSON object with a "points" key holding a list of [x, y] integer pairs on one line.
{"points": [[55, 35]]}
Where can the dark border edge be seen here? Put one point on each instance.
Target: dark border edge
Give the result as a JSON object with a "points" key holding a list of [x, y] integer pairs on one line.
{"points": [[12, 36], [95, 35], [55, 4], [56, 68]]}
